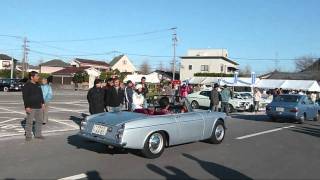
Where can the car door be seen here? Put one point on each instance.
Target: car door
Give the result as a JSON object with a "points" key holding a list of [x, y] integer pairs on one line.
{"points": [[204, 98], [190, 126], [308, 108]]}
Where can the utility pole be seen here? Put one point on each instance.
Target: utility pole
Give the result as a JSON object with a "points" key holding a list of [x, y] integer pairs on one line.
{"points": [[12, 65], [24, 56], [174, 40]]}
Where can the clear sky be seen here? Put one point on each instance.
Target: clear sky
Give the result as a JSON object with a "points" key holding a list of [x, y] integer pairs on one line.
{"points": [[248, 29]]}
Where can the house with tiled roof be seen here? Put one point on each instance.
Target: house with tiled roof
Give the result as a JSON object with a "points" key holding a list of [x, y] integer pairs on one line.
{"points": [[123, 64], [97, 64], [52, 66], [65, 75]]}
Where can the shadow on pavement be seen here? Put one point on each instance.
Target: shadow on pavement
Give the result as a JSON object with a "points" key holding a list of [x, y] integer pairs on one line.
{"points": [[252, 117], [307, 130], [93, 175], [78, 120], [216, 170], [174, 174], [100, 148]]}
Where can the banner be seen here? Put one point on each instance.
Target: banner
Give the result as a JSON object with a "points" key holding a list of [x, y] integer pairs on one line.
{"points": [[253, 77]]}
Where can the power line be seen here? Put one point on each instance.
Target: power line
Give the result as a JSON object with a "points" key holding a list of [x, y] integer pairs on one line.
{"points": [[107, 37]]}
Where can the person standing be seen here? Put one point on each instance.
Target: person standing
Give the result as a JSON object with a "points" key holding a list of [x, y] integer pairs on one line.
{"points": [[115, 97], [225, 97], [256, 99], [47, 97], [215, 97], [95, 98], [34, 106], [183, 91], [128, 92], [145, 89], [138, 98], [107, 92]]}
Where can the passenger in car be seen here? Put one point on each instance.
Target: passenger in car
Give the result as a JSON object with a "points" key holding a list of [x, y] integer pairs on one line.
{"points": [[164, 105]]}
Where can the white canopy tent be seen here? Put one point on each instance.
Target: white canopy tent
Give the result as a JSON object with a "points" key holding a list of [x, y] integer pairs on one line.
{"points": [[150, 78], [305, 85]]}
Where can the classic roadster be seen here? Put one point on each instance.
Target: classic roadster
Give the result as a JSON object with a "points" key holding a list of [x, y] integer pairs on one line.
{"points": [[152, 133]]}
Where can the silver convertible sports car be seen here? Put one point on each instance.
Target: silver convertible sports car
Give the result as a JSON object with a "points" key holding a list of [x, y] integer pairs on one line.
{"points": [[156, 127]]}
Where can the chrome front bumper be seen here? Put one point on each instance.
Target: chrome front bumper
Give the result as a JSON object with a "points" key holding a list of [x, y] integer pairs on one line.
{"points": [[101, 139]]}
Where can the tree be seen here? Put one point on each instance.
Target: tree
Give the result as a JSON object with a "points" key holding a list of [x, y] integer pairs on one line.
{"points": [[246, 71], [145, 67], [304, 62], [80, 77]]}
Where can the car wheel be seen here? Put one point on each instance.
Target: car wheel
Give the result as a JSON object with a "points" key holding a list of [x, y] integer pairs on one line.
{"points": [[251, 108], [195, 105], [5, 89], [302, 118], [154, 145], [218, 133], [231, 108], [273, 119], [317, 118]]}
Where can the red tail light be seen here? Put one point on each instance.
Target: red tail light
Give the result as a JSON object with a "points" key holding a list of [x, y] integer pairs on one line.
{"points": [[294, 110]]}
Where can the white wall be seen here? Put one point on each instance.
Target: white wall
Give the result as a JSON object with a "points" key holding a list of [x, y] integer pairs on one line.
{"points": [[124, 65], [214, 66]]}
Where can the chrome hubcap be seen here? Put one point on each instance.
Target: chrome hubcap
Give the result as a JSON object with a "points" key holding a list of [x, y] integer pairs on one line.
{"points": [[155, 143], [219, 133]]}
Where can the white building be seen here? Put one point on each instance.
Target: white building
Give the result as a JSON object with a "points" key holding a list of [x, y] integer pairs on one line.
{"points": [[123, 64], [206, 61]]}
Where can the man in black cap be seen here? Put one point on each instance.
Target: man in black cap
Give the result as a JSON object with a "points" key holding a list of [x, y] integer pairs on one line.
{"points": [[215, 97]]}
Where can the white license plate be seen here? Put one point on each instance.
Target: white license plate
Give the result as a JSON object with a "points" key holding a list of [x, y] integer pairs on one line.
{"points": [[279, 109], [98, 129]]}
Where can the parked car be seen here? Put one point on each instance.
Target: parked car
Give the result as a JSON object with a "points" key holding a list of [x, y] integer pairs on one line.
{"points": [[294, 108], [11, 84], [241, 101], [152, 133]]}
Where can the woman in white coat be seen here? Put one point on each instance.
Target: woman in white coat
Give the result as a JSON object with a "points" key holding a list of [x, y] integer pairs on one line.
{"points": [[138, 98]]}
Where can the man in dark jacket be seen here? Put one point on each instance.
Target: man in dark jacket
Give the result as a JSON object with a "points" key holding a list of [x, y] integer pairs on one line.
{"points": [[95, 98], [34, 106], [115, 98], [215, 97], [145, 89], [107, 92], [128, 92]]}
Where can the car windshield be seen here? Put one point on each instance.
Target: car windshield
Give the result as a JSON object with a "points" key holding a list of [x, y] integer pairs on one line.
{"points": [[286, 98]]}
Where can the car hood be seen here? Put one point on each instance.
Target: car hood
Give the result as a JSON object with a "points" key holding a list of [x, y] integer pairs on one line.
{"points": [[115, 118]]}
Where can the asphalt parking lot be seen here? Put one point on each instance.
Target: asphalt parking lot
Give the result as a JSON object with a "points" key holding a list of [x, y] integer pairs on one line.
{"points": [[65, 112], [254, 148]]}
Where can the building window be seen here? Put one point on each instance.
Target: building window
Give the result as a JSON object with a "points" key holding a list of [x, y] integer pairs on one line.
{"points": [[190, 67], [221, 68], [204, 68], [124, 62]]}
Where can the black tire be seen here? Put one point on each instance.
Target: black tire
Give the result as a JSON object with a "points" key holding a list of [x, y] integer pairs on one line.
{"points": [[317, 118], [216, 136], [302, 118], [251, 108], [195, 105], [5, 89], [148, 151], [231, 108], [273, 119]]}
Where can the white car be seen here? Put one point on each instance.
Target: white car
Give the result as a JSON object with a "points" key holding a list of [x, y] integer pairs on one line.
{"points": [[241, 101]]}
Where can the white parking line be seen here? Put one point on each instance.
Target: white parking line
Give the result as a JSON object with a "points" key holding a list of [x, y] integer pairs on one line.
{"points": [[264, 132], [70, 125], [75, 177], [68, 110], [45, 132], [13, 119]]}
